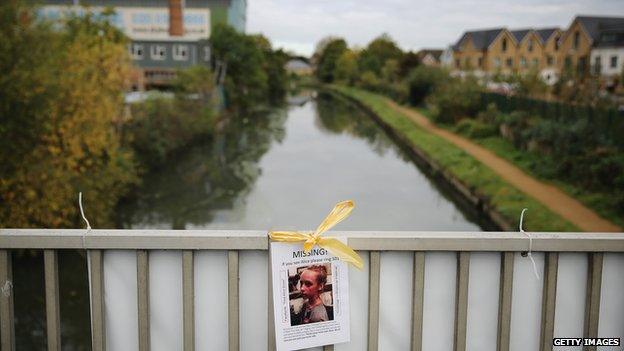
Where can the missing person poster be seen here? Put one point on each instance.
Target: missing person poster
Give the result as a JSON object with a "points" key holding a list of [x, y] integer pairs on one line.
{"points": [[310, 297]]}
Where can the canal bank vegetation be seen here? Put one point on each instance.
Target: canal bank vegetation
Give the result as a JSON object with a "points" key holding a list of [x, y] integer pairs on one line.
{"points": [[66, 127], [575, 147], [161, 125], [495, 193]]}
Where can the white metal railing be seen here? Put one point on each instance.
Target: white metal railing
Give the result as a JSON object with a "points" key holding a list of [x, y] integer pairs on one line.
{"points": [[372, 245]]}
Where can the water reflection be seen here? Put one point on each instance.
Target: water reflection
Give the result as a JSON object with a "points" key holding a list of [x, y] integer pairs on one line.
{"points": [[205, 177], [286, 169]]}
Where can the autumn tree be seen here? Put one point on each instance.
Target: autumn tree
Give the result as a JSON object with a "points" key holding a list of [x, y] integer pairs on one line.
{"points": [[61, 93]]}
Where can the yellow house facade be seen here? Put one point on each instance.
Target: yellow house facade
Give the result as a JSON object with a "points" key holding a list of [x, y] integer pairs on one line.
{"points": [[502, 54], [548, 51]]}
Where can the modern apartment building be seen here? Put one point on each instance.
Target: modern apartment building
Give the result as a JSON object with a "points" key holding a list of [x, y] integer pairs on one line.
{"points": [[165, 35]]}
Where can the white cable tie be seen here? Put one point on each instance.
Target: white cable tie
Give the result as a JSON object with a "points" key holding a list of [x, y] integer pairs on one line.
{"points": [[84, 246], [6, 288], [530, 244]]}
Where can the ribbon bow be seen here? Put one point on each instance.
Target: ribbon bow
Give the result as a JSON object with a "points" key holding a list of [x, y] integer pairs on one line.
{"points": [[333, 245]]}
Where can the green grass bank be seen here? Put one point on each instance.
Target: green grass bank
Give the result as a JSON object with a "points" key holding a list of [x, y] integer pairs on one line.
{"points": [[496, 198]]}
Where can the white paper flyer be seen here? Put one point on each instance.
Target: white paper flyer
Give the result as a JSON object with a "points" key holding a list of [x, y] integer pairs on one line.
{"points": [[310, 297]]}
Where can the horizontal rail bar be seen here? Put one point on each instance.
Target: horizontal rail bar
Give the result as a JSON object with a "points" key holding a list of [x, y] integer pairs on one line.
{"points": [[257, 240]]}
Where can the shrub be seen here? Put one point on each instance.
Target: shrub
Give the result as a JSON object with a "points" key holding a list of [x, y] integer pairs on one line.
{"points": [[422, 81], [369, 81], [475, 129], [456, 100], [161, 125], [489, 115]]}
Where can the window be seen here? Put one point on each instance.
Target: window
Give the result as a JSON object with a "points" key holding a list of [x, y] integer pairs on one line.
{"points": [[480, 61], [158, 52], [557, 43], [577, 38], [136, 51], [530, 44], [522, 61], [497, 62], [550, 60], [180, 52], [568, 61], [509, 62], [504, 44], [535, 62], [614, 61], [457, 63]]}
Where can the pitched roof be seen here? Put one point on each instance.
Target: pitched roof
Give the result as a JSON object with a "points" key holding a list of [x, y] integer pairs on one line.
{"points": [[611, 36], [593, 25], [519, 34], [481, 39], [545, 33]]}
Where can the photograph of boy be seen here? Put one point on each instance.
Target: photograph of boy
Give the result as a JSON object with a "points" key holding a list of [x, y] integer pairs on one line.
{"points": [[311, 299]]}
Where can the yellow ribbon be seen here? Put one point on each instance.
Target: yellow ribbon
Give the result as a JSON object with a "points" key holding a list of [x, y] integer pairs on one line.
{"points": [[333, 245]]}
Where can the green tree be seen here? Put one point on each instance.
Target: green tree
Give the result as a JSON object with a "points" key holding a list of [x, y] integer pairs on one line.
{"points": [[327, 59], [390, 71], [346, 70], [246, 82], [374, 56], [408, 62], [423, 81]]}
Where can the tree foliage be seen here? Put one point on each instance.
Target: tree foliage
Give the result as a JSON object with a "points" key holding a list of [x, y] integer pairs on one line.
{"points": [[255, 73], [374, 56], [61, 99], [328, 58], [346, 68]]}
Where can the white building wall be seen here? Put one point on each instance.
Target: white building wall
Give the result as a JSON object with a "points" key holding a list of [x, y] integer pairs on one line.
{"points": [[604, 55]]}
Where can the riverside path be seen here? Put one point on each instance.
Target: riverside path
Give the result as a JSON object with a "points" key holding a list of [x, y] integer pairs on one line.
{"points": [[551, 196]]}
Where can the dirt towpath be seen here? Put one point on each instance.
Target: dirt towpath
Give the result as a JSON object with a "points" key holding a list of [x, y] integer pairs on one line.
{"points": [[549, 195]]}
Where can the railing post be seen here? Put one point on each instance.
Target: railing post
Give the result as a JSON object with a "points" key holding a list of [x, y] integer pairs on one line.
{"points": [[373, 302], [504, 301], [53, 316], [7, 323], [98, 324], [548, 301], [143, 299], [233, 302], [461, 300], [592, 299], [418, 293], [188, 300]]}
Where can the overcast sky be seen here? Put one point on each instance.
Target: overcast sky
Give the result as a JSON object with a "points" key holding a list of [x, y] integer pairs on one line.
{"points": [[297, 25]]}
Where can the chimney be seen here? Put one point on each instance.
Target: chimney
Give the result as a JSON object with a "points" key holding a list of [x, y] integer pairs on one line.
{"points": [[176, 21]]}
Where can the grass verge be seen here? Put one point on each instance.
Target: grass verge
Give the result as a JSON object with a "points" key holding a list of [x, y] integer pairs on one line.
{"points": [[603, 203], [500, 195]]}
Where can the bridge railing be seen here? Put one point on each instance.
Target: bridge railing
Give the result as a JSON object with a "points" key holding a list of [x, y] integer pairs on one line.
{"points": [[442, 290]]}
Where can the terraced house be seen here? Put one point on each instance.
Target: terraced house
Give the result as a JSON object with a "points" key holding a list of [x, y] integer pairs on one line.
{"points": [[548, 51]]}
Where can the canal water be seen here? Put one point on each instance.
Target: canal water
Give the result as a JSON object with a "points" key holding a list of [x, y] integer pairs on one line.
{"points": [[287, 169], [284, 169]]}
